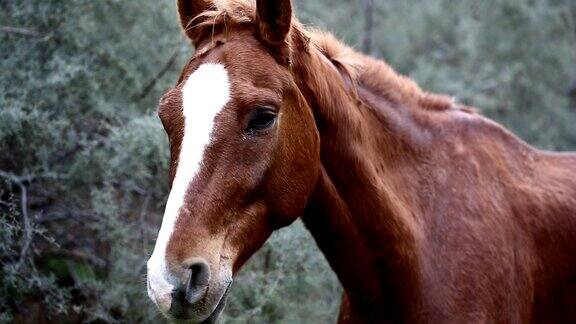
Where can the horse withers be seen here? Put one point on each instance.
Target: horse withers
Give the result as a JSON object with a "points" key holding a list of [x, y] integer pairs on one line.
{"points": [[426, 211]]}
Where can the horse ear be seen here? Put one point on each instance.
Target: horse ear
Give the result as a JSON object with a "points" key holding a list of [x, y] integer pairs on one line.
{"points": [[274, 18], [189, 10]]}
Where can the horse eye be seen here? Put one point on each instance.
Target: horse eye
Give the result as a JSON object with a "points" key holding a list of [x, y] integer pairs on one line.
{"points": [[260, 120]]}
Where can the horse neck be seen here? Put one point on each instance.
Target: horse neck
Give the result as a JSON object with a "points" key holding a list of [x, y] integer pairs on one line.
{"points": [[358, 214]]}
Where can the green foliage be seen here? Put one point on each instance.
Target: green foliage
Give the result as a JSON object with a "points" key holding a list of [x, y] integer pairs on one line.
{"points": [[512, 59], [78, 93], [286, 281], [72, 107]]}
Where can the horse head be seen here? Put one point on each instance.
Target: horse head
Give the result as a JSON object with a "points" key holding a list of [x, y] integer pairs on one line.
{"points": [[244, 153]]}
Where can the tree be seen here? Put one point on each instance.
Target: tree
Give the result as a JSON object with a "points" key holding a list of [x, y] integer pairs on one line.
{"points": [[368, 9], [572, 94]]}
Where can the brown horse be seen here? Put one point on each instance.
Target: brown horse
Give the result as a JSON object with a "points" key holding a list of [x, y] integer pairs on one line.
{"points": [[426, 211]]}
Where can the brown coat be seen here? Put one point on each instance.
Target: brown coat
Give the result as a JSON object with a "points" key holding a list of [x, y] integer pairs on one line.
{"points": [[427, 211]]}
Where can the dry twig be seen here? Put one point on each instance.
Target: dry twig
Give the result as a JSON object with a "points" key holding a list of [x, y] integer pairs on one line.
{"points": [[19, 181], [20, 31], [160, 74], [143, 213]]}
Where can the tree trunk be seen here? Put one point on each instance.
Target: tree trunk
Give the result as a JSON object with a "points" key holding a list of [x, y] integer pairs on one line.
{"points": [[368, 8], [572, 94]]}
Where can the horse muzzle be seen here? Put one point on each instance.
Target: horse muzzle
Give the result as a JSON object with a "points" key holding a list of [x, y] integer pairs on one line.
{"points": [[191, 293]]}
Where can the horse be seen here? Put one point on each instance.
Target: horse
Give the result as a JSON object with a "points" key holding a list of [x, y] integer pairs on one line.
{"points": [[427, 211]]}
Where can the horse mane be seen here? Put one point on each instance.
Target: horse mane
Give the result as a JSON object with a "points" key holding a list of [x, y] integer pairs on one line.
{"points": [[362, 70]]}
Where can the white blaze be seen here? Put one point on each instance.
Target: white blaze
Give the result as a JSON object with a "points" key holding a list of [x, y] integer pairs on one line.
{"points": [[204, 95]]}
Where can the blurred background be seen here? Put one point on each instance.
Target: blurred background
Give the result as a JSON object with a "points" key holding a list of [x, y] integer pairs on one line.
{"points": [[83, 157]]}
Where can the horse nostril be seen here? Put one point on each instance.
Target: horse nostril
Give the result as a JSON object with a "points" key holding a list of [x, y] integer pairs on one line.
{"points": [[193, 289], [197, 281]]}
